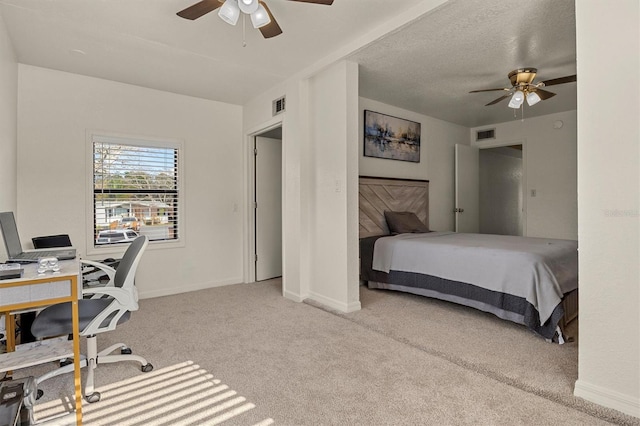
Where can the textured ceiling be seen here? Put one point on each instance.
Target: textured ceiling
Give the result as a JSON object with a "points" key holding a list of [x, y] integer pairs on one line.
{"points": [[427, 66], [432, 64]]}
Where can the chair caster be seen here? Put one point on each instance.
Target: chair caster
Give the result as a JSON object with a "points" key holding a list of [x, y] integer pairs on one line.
{"points": [[66, 361], [147, 368], [125, 351], [94, 397], [39, 394]]}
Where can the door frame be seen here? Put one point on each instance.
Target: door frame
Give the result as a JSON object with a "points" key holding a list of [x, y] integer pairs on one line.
{"points": [[249, 223], [267, 143], [499, 144]]}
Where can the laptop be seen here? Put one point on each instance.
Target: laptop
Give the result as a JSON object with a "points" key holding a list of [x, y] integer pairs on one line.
{"points": [[14, 246]]}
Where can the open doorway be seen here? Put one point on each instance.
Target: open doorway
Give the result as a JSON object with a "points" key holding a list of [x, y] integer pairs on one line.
{"points": [[489, 189], [268, 204], [501, 190]]}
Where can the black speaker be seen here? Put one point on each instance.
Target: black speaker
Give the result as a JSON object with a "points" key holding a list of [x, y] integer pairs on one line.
{"points": [[51, 241]]}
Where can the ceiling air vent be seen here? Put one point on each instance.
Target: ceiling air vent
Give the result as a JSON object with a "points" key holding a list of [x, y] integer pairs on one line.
{"points": [[278, 106], [485, 134]]}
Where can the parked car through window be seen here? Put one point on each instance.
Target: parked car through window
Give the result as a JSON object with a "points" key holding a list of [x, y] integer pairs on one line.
{"points": [[116, 236]]}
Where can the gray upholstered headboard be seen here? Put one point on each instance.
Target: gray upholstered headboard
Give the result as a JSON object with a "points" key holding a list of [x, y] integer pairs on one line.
{"points": [[379, 194]]}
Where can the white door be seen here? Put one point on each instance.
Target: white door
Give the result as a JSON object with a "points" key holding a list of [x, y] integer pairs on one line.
{"points": [[467, 169], [268, 192]]}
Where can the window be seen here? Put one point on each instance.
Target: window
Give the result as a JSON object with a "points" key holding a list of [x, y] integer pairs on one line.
{"points": [[135, 190]]}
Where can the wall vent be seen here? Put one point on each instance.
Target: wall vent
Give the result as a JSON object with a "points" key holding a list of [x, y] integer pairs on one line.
{"points": [[485, 134], [278, 106]]}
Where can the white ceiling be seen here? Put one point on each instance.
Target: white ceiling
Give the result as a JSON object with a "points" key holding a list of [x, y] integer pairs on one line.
{"points": [[428, 66]]}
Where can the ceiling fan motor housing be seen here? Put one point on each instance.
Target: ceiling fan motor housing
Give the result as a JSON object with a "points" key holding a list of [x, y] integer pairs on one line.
{"points": [[522, 76]]}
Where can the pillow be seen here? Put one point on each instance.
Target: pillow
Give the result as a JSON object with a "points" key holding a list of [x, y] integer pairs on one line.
{"points": [[404, 222]]}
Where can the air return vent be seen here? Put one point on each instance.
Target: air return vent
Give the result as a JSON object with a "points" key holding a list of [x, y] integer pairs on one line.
{"points": [[278, 106], [485, 134]]}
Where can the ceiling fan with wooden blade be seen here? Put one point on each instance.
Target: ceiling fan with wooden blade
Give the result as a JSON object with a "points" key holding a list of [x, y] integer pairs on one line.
{"points": [[523, 87], [230, 10]]}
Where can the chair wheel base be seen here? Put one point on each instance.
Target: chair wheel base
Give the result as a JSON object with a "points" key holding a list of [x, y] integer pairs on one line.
{"points": [[125, 351], [147, 368], [94, 397]]}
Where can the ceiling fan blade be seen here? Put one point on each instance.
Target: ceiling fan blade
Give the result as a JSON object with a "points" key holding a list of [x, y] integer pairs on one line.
{"points": [[272, 29], [327, 2], [488, 90], [544, 94], [560, 80], [499, 99], [197, 10]]}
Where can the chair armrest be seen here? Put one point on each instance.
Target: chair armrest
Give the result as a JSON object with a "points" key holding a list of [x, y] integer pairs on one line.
{"points": [[123, 300], [108, 271], [124, 297], [106, 268]]}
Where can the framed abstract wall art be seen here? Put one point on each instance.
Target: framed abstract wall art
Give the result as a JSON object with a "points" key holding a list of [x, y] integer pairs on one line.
{"points": [[391, 137]]}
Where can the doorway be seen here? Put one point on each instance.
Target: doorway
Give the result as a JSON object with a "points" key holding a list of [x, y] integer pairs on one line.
{"points": [[268, 204], [501, 190], [489, 189]]}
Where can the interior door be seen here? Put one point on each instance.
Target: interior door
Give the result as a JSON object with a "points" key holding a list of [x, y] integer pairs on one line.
{"points": [[467, 171], [268, 198]]}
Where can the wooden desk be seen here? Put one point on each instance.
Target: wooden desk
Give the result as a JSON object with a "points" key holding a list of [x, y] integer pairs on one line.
{"points": [[35, 290]]}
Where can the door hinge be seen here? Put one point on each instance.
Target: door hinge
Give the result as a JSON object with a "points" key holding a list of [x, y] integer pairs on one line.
{"points": [[255, 152], [255, 205], [256, 258], [458, 210]]}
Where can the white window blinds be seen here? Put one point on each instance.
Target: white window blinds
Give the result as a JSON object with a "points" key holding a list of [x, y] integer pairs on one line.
{"points": [[135, 188]]}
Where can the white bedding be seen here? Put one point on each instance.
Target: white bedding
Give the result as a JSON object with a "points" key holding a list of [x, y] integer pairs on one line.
{"points": [[540, 270]]}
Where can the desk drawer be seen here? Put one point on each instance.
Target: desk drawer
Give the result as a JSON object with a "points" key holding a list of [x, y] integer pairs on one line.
{"points": [[34, 292]]}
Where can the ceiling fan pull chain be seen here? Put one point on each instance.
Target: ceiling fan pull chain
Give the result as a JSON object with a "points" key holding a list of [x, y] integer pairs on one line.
{"points": [[244, 30]]}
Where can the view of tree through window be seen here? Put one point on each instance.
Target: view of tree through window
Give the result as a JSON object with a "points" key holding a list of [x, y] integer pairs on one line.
{"points": [[135, 191]]}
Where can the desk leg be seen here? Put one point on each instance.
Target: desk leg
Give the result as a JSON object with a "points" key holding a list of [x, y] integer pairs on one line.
{"points": [[76, 361], [10, 329]]}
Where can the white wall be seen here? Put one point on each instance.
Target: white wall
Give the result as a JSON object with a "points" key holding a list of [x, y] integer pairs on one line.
{"points": [[550, 156], [56, 109], [8, 123], [437, 141], [608, 41], [320, 253], [333, 199]]}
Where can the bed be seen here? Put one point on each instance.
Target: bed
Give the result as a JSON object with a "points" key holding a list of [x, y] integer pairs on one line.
{"points": [[529, 281]]}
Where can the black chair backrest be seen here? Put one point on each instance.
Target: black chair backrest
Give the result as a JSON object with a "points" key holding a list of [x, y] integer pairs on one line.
{"points": [[128, 260]]}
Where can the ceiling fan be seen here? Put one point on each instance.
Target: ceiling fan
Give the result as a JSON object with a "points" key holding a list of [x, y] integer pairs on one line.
{"points": [[229, 12], [523, 87]]}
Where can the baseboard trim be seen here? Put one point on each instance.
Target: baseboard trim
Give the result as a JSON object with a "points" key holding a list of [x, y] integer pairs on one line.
{"points": [[608, 398], [293, 296], [185, 289], [335, 304]]}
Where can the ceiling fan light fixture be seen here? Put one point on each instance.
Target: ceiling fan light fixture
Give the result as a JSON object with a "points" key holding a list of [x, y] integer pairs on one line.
{"points": [[248, 6], [533, 98], [229, 12], [517, 99], [260, 17]]}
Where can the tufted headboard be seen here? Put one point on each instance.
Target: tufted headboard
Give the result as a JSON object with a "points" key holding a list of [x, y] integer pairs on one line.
{"points": [[379, 194]]}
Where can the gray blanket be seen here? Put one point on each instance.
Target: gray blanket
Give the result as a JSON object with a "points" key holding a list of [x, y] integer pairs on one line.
{"points": [[540, 270]]}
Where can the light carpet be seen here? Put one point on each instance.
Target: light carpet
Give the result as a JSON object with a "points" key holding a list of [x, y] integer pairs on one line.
{"points": [[401, 360]]}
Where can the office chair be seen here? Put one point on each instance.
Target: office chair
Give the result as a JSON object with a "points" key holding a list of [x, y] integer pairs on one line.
{"points": [[107, 307]]}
